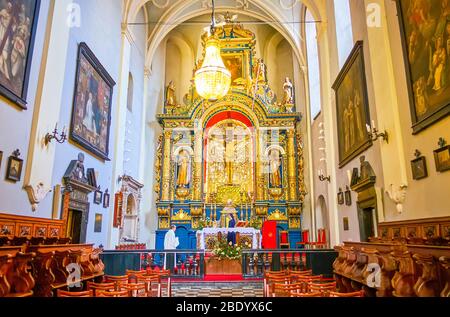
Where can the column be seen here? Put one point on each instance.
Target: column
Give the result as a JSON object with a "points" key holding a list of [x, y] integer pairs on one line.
{"points": [[166, 166], [259, 167], [198, 142], [292, 175], [40, 162]]}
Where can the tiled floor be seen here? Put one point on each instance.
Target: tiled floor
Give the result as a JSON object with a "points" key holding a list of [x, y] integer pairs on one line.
{"points": [[217, 289]]}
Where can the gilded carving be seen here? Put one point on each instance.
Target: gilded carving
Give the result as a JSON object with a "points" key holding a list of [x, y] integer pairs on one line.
{"points": [[294, 223], [181, 215], [278, 216]]}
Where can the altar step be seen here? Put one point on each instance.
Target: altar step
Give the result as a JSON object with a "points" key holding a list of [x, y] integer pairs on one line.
{"points": [[217, 289], [218, 278]]}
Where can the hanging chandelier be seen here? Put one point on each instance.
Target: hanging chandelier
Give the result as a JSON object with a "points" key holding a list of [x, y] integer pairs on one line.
{"points": [[213, 79]]}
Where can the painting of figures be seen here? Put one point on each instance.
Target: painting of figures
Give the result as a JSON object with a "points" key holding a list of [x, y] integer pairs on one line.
{"points": [[91, 116], [425, 28], [352, 107], [234, 64], [18, 20]]}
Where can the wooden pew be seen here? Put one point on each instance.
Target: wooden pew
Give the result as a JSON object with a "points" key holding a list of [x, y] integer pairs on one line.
{"points": [[405, 270], [16, 279], [52, 271]]}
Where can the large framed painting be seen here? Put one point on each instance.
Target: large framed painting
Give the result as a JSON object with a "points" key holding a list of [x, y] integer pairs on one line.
{"points": [[352, 104], [18, 22], [425, 27], [91, 113]]}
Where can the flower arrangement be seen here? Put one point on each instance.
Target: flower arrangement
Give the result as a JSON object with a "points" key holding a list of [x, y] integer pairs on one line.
{"points": [[226, 250], [204, 223]]}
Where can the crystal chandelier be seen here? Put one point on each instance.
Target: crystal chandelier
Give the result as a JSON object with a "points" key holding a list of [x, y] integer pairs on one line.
{"points": [[212, 80]]}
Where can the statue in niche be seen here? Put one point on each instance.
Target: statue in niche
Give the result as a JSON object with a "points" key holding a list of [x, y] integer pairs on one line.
{"points": [[288, 88], [261, 71], [184, 166], [275, 169], [366, 169], [171, 99]]}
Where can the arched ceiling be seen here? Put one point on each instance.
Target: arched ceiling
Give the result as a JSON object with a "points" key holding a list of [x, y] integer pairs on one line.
{"points": [[165, 15]]}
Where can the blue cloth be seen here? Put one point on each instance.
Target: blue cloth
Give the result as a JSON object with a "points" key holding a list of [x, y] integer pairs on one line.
{"points": [[231, 236]]}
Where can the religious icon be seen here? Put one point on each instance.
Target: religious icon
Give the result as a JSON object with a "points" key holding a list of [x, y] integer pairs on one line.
{"points": [[352, 107], [234, 65], [91, 116], [425, 28], [442, 159], [419, 168], [98, 223], [14, 170], [18, 21], [288, 88], [183, 169], [275, 169]]}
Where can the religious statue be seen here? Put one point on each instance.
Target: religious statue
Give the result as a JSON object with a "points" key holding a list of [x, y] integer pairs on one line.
{"points": [[366, 169], [184, 161], [231, 236], [275, 167], [227, 211], [288, 88], [171, 99], [261, 71]]}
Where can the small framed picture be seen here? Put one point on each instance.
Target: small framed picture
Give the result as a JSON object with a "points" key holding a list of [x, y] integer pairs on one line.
{"points": [[346, 225], [1, 158], [106, 197], [98, 197], [419, 168], [14, 170], [98, 223], [92, 178], [348, 197], [442, 158], [340, 197]]}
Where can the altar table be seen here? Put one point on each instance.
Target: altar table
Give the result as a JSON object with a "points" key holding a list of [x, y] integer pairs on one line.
{"points": [[207, 236]]}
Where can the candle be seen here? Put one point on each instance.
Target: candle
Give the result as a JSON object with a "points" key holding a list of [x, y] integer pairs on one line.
{"points": [[373, 123]]}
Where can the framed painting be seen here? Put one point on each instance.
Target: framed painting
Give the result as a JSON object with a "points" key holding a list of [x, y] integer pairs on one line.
{"points": [[91, 113], [352, 107], [340, 196], [14, 170], [17, 33], [442, 159], [346, 224], [419, 168], [106, 198], [426, 44], [98, 196], [235, 63], [98, 223], [1, 158]]}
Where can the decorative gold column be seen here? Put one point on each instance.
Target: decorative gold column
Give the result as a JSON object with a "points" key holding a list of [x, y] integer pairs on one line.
{"points": [[166, 166], [197, 184], [292, 175], [259, 168]]}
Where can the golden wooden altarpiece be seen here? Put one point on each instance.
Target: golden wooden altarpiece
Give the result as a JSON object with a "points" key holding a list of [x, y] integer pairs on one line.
{"points": [[243, 150]]}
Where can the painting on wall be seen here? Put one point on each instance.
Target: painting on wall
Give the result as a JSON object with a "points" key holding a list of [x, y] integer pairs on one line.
{"points": [[98, 223], [235, 64], [426, 42], [442, 159], [14, 170], [18, 22], [419, 168], [346, 225], [352, 107], [91, 114]]}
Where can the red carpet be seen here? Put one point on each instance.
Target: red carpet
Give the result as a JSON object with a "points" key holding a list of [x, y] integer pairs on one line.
{"points": [[218, 278]]}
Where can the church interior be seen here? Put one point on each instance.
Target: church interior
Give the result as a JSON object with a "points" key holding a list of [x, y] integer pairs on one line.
{"points": [[225, 148]]}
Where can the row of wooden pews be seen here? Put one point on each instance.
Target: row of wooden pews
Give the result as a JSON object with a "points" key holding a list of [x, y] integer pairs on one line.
{"points": [[40, 270], [399, 270]]}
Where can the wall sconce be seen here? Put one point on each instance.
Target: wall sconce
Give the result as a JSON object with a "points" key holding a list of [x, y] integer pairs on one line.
{"points": [[324, 178], [375, 134], [60, 138]]}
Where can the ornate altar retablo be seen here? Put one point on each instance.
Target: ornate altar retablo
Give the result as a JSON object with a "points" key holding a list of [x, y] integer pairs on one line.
{"points": [[245, 147]]}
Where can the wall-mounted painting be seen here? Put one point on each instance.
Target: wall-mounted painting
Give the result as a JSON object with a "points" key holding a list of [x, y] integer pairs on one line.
{"points": [[235, 64], [426, 42], [98, 223], [91, 114], [352, 107], [18, 22]]}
